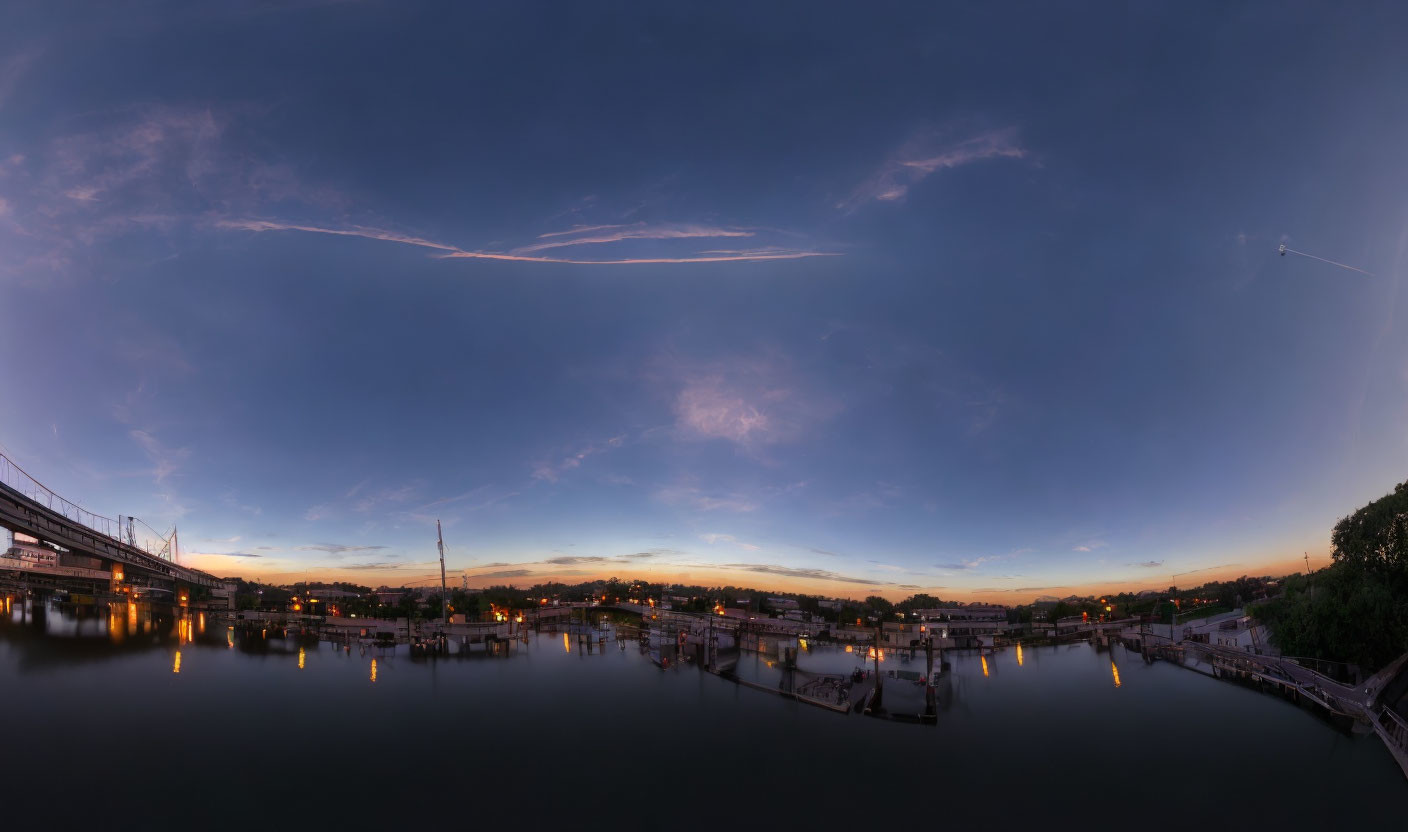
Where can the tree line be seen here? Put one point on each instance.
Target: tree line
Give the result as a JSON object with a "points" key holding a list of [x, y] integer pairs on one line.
{"points": [[1356, 609]]}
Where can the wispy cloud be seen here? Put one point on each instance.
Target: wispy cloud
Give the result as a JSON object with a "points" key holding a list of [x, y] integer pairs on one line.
{"points": [[599, 235], [1209, 568], [966, 565], [231, 499], [926, 155], [337, 548], [693, 497], [165, 460], [1148, 564], [552, 472], [651, 553], [505, 573], [1090, 546], [752, 400], [364, 501], [139, 171], [707, 408], [476, 499], [447, 251], [714, 538], [11, 70], [578, 229], [882, 495], [803, 572]]}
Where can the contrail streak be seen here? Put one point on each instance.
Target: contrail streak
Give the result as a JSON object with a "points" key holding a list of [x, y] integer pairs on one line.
{"points": [[1284, 251]]}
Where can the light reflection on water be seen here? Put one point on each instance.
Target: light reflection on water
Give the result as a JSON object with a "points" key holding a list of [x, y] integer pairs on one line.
{"points": [[362, 702]]}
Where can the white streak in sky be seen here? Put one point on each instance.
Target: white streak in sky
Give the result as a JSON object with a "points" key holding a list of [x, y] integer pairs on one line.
{"points": [[453, 252]]}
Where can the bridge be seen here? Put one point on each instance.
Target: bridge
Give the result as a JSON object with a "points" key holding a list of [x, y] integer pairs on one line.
{"points": [[80, 549]]}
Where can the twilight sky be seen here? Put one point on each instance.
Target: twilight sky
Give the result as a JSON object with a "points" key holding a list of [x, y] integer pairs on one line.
{"points": [[976, 299]]}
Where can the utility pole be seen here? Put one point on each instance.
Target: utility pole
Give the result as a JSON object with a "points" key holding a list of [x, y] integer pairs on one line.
{"points": [[440, 542]]}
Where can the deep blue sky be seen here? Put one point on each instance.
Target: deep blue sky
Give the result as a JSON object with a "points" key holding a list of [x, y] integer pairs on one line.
{"points": [[987, 299]]}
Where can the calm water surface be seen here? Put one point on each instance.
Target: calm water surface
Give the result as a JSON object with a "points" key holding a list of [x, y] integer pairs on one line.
{"points": [[108, 726]]}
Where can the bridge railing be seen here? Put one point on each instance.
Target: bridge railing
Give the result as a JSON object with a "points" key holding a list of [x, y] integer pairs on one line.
{"points": [[1338, 671], [15, 477], [1394, 726], [149, 539]]}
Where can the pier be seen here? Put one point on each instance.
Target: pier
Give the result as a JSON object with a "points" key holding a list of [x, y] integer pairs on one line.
{"points": [[1372, 703]]}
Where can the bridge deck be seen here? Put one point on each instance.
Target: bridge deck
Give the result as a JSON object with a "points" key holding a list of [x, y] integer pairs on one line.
{"points": [[21, 513]]}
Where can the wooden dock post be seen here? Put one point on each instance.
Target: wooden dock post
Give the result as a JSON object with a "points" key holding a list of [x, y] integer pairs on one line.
{"points": [[878, 698]]}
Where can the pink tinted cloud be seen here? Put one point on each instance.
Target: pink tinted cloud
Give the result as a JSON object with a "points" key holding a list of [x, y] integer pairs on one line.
{"points": [[454, 252], [640, 231], [752, 400], [927, 155], [710, 408], [551, 472]]}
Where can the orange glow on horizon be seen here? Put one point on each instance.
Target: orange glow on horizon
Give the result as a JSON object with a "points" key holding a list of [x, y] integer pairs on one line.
{"points": [[1271, 560]]}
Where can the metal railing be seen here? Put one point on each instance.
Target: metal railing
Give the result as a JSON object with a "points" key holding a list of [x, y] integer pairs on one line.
{"points": [[155, 544], [1394, 726], [1341, 672], [15, 477]]}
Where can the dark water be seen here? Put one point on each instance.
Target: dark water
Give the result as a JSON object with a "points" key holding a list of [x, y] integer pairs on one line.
{"points": [[255, 732]]}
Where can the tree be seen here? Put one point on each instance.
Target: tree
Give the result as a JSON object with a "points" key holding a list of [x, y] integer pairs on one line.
{"points": [[1375, 538], [878, 606], [1356, 610]]}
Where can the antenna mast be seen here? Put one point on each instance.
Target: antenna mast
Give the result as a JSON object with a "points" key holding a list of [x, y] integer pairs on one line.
{"points": [[440, 542]]}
